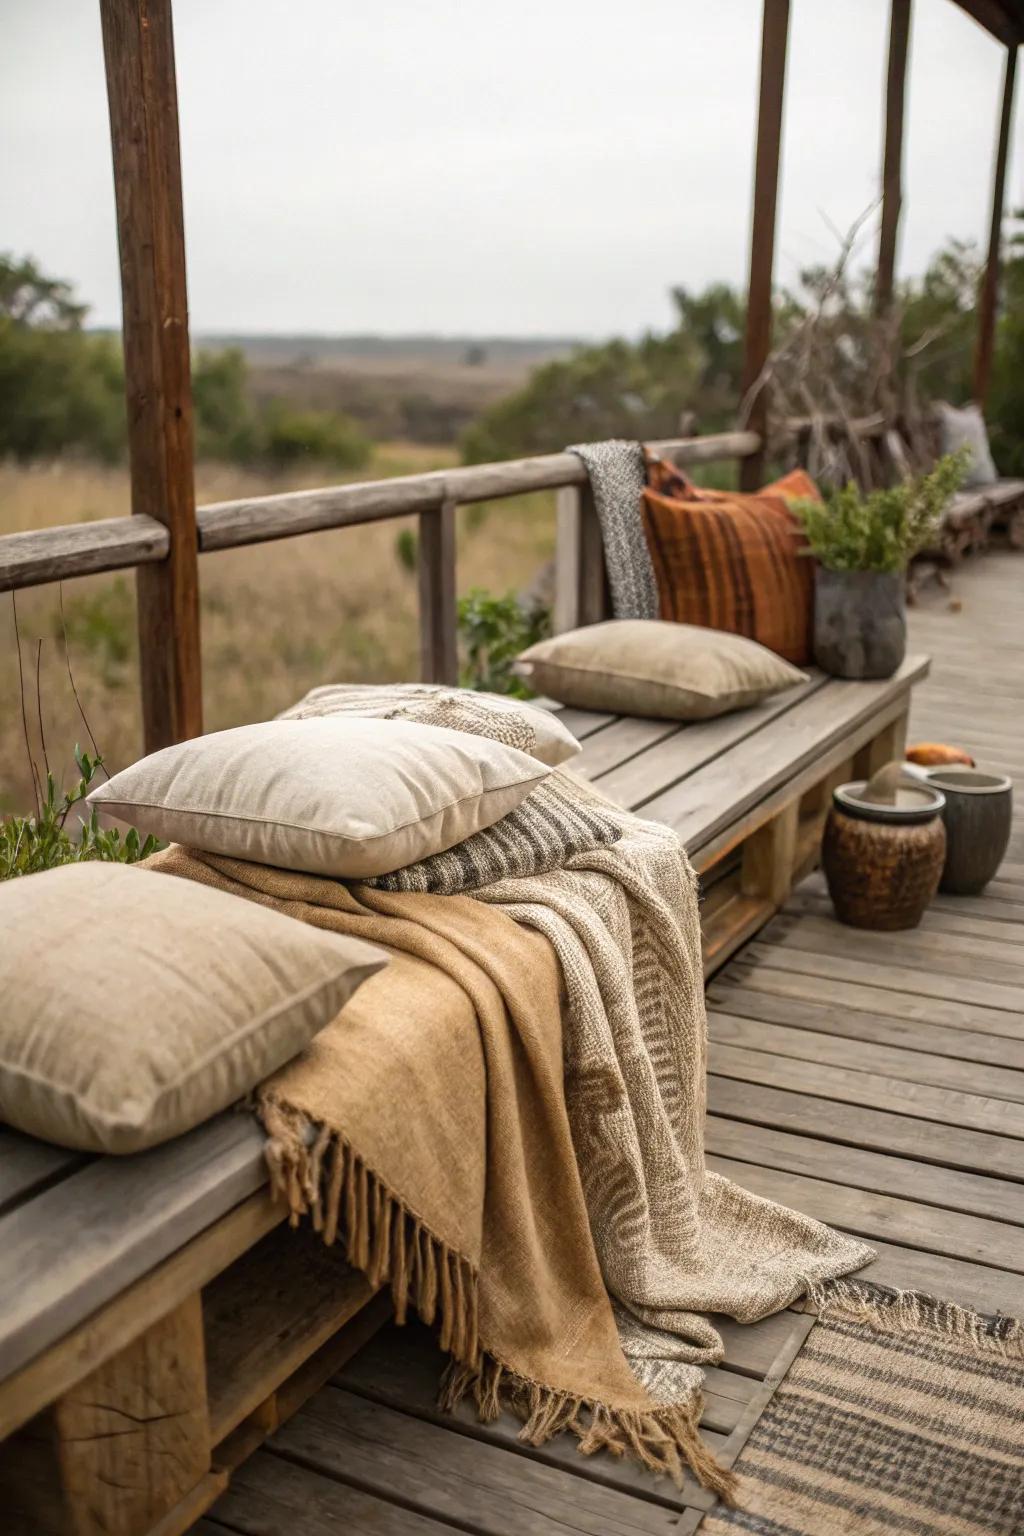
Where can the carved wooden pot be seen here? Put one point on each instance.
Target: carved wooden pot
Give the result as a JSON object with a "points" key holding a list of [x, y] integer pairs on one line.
{"points": [[883, 867]]}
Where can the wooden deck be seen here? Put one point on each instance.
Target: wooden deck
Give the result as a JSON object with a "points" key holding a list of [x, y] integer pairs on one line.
{"points": [[875, 1081]]}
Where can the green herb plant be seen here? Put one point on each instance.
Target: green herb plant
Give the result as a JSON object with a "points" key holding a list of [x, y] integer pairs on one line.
{"points": [[30, 844], [493, 631], [883, 530]]}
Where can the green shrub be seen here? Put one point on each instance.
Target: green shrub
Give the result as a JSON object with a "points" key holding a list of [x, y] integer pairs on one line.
{"points": [[885, 529], [227, 427], [30, 844], [493, 631], [406, 549], [287, 436]]}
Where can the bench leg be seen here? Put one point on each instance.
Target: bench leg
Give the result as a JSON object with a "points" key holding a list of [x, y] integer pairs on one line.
{"points": [[769, 856], [890, 743], [122, 1448]]}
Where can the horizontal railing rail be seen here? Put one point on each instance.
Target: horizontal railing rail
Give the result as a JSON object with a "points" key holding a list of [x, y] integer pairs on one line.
{"points": [[84, 549], [45, 555]]}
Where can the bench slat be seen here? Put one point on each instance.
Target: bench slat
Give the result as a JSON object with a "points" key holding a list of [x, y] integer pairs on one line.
{"points": [[80, 1243], [27, 1164], [695, 745]]}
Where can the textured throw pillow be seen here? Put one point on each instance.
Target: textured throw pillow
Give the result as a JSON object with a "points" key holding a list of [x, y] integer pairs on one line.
{"points": [[732, 562], [341, 796], [558, 821], [137, 1005], [650, 667], [527, 727], [965, 428]]}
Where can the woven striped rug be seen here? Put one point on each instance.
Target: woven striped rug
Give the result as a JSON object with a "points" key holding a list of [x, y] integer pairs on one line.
{"points": [[900, 1414]]}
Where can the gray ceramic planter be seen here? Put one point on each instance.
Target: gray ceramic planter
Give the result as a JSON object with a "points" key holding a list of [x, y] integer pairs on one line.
{"points": [[978, 816], [860, 622]]}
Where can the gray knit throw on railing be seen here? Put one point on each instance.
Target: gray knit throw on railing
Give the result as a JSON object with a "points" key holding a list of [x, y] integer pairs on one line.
{"points": [[616, 470]]}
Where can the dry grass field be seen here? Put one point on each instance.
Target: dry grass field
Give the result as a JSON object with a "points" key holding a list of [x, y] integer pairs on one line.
{"points": [[276, 618]]}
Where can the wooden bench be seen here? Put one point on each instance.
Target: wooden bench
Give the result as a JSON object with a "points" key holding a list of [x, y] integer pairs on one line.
{"points": [[157, 1322]]}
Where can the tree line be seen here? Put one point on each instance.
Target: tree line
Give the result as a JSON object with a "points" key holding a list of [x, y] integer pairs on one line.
{"points": [[62, 386], [62, 390]]}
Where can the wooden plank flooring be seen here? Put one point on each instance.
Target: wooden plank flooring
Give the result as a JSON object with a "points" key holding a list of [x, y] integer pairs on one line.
{"points": [[874, 1081]]}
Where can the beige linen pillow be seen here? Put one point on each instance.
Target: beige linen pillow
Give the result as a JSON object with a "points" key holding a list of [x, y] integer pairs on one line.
{"points": [[964, 427], [340, 796], [136, 1005], [657, 668], [532, 729]]}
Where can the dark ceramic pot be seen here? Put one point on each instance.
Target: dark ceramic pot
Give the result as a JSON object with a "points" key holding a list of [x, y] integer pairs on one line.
{"points": [[978, 814], [883, 862], [860, 622]]}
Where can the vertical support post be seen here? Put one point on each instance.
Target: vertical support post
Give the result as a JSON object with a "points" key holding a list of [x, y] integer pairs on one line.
{"points": [[769, 855], [989, 301], [774, 36], [581, 581], [888, 746], [439, 662], [892, 153], [138, 48]]}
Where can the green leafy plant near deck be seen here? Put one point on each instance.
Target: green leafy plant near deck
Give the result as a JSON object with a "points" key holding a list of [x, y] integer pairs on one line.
{"points": [[30, 844], [493, 631], [883, 530]]}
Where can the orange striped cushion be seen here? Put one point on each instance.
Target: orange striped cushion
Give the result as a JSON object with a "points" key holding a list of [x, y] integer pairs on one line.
{"points": [[730, 561]]}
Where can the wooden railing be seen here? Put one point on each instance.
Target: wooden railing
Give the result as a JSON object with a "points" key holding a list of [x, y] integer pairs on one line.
{"points": [[85, 549]]}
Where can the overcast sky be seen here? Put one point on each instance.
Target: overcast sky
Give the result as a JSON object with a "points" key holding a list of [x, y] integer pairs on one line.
{"points": [[488, 166]]}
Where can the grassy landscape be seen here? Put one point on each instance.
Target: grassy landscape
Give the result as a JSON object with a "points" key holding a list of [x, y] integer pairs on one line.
{"points": [[277, 619]]}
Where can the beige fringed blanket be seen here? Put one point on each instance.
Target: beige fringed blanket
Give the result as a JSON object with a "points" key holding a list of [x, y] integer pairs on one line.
{"points": [[506, 1125]]}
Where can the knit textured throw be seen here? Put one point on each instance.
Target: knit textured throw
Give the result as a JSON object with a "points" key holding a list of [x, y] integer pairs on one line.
{"points": [[506, 1125], [554, 823], [617, 478]]}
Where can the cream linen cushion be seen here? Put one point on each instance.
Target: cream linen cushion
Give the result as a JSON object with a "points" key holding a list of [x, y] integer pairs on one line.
{"points": [[532, 729], [964, 427], [657, 668], [136, 1005], [340, 796]]}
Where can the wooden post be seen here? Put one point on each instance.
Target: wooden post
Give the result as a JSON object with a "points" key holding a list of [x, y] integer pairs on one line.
{"points": [[989, 301], [581, 581], [138, 48], [892, 154], [439, 661], [774, 33]]}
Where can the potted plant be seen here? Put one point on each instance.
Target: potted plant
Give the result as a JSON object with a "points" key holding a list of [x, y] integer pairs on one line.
{"points": [[863, 545]]}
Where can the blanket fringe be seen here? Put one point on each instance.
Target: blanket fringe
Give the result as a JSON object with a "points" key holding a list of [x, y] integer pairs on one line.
{"points": [[320, 1175], [893, 1312], [663, 1438]]}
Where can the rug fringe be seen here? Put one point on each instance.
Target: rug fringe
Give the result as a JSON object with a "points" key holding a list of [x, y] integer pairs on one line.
{"points": [[663, 1438], [893, 1311], [320, 1175]]}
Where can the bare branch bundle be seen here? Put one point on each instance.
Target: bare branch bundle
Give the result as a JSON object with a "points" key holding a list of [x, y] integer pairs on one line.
{"points": [[842, 381]]}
